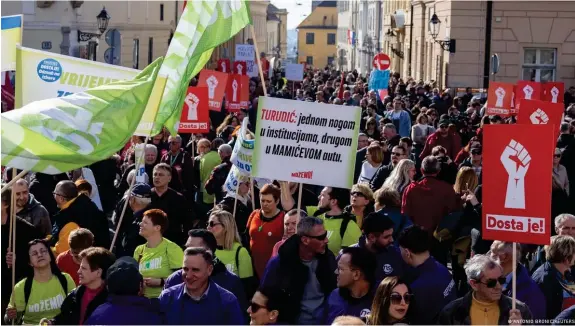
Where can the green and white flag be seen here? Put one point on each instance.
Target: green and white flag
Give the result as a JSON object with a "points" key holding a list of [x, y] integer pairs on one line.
{"points": [[61, 134], [204, 25]]}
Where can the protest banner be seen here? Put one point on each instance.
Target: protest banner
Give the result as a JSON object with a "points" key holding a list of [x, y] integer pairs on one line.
{"points": [[237, 92], [521, 210], [195, 114], [499, 99], [243, 149], [553, 92], [11, 36], [536, 112], [526, 90], [313, 143], [216, 83], [224, 65], [140, 161], [234, 178], [240, 68], [294, 72], [247, 53]]}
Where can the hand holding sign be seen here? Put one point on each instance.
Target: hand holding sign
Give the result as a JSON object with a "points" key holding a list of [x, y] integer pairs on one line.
{"points": [[515, 158], [539, 117]]}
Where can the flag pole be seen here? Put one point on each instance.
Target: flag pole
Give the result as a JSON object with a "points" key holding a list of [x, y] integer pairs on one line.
{"points": [[14, 179], [514, 277], [299, 197], [236, 199], [12, 244]]}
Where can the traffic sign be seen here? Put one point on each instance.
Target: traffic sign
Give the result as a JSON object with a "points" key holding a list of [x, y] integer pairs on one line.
{"points": [[381, 61]]}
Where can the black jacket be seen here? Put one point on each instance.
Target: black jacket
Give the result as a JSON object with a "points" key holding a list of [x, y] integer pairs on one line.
{"points": [[174, 205], [42, 186], [287, 274], [380, 175], [70, 309], [457, 311], [242, 211], [214, 185], [86, 214]]}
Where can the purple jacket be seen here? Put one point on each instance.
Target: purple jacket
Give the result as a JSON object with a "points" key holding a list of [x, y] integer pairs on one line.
{"points": [[340, 303], [126, 310], [528, 292]]}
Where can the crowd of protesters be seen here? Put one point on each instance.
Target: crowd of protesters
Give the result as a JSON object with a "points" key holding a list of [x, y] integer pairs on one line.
{"points": [[403, 246]]}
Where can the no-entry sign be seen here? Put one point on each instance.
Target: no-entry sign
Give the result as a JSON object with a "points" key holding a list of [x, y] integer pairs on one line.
{"points": [[381, 61]]}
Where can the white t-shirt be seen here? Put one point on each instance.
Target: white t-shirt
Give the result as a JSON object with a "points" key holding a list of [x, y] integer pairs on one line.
{"points": [[367, 172]]}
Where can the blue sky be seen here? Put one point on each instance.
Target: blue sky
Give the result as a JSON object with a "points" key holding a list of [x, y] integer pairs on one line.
{"points": [[295, 12]]}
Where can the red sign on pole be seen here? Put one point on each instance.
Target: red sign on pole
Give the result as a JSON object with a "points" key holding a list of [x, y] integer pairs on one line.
{"points": [[224, 65], [527, 90], [553, 92], [381, 61], [237, 92], [240, 68], [536, 112], [195, 113], [518, 210], [216, 83], [499, 98]]}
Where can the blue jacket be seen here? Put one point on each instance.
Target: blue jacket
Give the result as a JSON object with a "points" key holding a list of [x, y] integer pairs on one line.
{"points": [[433, 288], [126, 310], [389, 262], [340, 303], [404, 122], [546, 278], [222, 277], [528, 292], [217, 307]]}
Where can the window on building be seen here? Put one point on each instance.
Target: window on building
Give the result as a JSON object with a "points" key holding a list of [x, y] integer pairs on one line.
{"points": [[150, 50], [28, 7], [309, 60], [330, 60], [330, 38], [309, 38], [539, 64], [161, 12], [136, 54]]}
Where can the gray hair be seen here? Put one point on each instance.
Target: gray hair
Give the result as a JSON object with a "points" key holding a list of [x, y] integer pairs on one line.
{"points": [[178, 138], [225, 149], [390, 126], [430, 165], [151, 148], [306, 224], [506, 247], [142, 201], [132, 175], [361, 134], [22, 182], [562, 218], [478, 264], [294, 211]]}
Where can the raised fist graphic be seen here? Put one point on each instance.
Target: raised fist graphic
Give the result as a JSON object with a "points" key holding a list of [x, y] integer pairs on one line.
{"points": [[192, 101], [235, 90], [539, 117], [528, 91], [554, 94], [240, 68], [224, 68], [515, 159], [500, 94], [212, 82]]}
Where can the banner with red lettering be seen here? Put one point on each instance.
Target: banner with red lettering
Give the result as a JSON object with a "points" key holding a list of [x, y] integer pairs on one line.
{"points": [[553, 92], [240, 68], [535, 112], [216, 83], [195, 113], [517, 165], [499, 98], [224, 65], [527, 90], [237, 92]]}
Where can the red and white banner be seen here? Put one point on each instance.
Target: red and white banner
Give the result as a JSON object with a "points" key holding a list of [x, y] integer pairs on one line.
{"points": [[535, 112], [240, 68], [237, 92], [518, 210], [224, 65], [216, 83], [527, 90], [553, 92], [195, 113], [499, 98]]}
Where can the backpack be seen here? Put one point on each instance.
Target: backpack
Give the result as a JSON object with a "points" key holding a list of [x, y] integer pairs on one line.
{"points": [[28, 287]]}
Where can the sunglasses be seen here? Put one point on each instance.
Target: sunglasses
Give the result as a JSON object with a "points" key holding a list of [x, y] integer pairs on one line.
{"points": [[317, 237], [213, 224], [443, 126], [476, 152], [255, 307], [396, 298], [491, 283], [357, 193]]}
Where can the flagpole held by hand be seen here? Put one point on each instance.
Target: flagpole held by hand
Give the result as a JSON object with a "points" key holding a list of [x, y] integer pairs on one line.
{"points": [[14, 179], [258, 60]]}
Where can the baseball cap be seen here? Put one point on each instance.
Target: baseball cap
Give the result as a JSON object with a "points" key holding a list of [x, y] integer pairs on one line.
{"points": [[444, 122], [123, 277], [142, 190]]}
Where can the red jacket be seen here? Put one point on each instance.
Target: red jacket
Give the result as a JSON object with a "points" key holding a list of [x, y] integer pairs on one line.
{"points": [[427, 201], [452, 144]]}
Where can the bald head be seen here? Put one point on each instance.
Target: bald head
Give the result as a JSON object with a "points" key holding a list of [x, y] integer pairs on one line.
{"points": [[65, 191]]}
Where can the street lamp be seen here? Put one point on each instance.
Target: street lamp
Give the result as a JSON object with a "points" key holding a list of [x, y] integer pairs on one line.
{"points": [[103, 20], [92, 38], [448, 44]]}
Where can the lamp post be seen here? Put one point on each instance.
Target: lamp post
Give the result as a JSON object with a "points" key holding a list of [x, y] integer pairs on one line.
{"points": [[92, 38], [448, 44]]}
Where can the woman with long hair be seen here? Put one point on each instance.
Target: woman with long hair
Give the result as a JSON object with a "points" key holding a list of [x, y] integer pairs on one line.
{"points": [[373, 161], [419, 133], [45, 283], [371, 129], [401, 176], [391, 303]]}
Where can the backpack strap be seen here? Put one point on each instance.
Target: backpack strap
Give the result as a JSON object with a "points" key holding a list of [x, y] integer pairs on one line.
{"points": [[238, 259], [63, 282], [344, 223], [27, 290]]}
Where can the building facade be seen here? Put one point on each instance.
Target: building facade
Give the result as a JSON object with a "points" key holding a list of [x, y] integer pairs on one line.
{"points": [[317, 36], [344, 32]]}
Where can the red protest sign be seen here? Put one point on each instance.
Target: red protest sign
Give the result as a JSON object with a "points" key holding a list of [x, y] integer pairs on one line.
{"points": [[216, 83], [224, 65], [513, 101], [536, 112], [527, 90], [240, 68], [237, 92], [499, 98], [553, 92], [517, 183], [195, 113]]}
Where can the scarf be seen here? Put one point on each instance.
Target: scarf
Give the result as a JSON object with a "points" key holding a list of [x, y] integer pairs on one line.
{"points": [[568, 286]]}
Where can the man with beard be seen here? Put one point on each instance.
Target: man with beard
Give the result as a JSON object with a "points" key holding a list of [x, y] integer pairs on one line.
{"points": [[397, 154], [28, 208]]}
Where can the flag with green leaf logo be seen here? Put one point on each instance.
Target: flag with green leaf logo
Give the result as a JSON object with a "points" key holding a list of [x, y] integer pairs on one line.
{"points": [[61, 134], [204, 25]]}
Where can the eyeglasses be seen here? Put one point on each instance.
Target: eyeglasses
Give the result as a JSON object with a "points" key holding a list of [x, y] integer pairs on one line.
{"points": [[491, 283], [57, 194], [443, 126], [558, 155], [213, 224], [317, 237], [39, 253], [255, 307], [357, 193], [396, 298], [396, 154]]}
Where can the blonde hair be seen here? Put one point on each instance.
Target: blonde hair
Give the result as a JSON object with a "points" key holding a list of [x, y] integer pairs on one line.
{"points": [[399, 178], [376, 153], [466, 180], [562, 247], [364, 189], [231, 234]]}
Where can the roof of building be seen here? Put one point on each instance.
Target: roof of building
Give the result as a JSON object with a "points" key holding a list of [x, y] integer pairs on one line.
{"points": [[328, 4], [272, 16]]}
